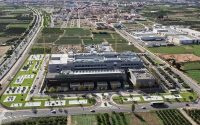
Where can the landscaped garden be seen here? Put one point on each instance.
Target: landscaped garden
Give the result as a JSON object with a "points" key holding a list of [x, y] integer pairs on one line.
{"points": [[166, 97]]}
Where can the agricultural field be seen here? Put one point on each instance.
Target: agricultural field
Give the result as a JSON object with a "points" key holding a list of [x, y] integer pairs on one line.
{"points": [[57, 120], [103, 119], [191, 66], [192, 69], [81, 36], [144, 118], [84, 120], [194, 74], [14, 21], [134, 26], [77, 32], [173, 15], [145, 23], [194, 114], [40, 50], [172, 117], [120, 47], [184, 49]]}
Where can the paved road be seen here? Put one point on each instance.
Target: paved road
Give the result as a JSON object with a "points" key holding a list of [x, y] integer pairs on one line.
{"points": [[23, 114]]}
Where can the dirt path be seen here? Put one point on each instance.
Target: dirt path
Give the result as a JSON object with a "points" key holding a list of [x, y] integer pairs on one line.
{"points": [[187, 117], [69, 120]]}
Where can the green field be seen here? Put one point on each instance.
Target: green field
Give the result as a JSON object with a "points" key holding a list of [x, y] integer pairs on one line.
{"points": [[192, 69], [84, 119], [168, 14], [52, 31], [48, 38], [77, 32], [103, 119], [60, 36], [191, 66], [14, 21], [18, 25], [134, 26], [194, 74], [124, 47], [69, 40], [40, 50], [183, 49]]}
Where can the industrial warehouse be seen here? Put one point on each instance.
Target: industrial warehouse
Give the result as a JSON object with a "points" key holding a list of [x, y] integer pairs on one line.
{"points": [[106, 70]]}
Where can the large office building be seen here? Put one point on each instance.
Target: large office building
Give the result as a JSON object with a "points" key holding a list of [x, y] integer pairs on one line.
{"points": [[142, 78], [93, 61], [90, 70]]}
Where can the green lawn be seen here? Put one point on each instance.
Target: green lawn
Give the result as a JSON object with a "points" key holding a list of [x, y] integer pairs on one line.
{"points": [[184, 49], [52, 31], [124, 47], [191, 66], [76, 32], [69, 40], [171, 50], [92, 41], [194, 74], [192, 69], [18, 25]]}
